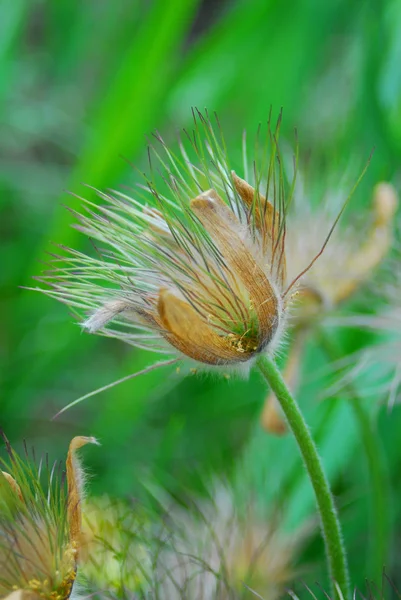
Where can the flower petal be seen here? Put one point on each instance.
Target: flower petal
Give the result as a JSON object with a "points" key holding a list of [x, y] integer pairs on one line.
{"points": [[191, 335], [263, 211], [75, 484], [267, 222], [13, 485], [221, 224]]}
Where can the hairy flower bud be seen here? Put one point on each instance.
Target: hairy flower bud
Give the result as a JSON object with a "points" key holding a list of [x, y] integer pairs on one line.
{"points": [[40, 529], [195, 264]]}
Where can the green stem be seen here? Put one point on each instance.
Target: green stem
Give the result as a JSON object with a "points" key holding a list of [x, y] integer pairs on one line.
{"points": [[335, 551], [379, 501], [378, 542]]}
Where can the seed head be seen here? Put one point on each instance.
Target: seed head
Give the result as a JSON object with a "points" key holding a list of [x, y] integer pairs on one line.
{"points": [[40, 534]]}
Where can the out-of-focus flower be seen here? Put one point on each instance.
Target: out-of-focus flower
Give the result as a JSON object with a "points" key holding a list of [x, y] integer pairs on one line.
{"points": [[378, 367], [349, 259], [118, 542], [221, 551], [346, 263], [207, 553], [193, 265], [40, 526]]}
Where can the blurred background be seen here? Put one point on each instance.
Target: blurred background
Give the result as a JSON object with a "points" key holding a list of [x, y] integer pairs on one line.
{"points": [[82, 85]]}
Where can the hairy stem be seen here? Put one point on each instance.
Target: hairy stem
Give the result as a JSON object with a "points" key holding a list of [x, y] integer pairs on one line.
{"points": [[335, 551]]}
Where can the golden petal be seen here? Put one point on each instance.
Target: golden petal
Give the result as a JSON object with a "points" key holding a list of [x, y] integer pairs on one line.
{"points": [[252, 199], [74, 483], [267, 222], [221, 223], [190, 334], [13, 485]]}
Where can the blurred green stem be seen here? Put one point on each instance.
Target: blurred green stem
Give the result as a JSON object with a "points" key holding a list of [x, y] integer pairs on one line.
{"points": [[379, 503], [335, 551]]}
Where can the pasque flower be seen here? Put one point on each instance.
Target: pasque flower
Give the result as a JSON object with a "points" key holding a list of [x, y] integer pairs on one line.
{"points": [[193, 264], [40, 525], [345, 265], [223, 552], [349, 260], [205, 552]]}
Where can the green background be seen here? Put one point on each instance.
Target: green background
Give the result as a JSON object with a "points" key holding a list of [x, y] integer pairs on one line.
{"points": [[81, 86]]}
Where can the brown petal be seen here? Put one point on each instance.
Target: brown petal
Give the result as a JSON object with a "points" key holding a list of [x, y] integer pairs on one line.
{"points": [[221, 224], [13, 485], [256, 202], [74, 483], [190, 334], [266, 223]]}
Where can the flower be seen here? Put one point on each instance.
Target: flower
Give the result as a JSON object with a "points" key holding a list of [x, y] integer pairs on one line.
{"points": [[350, 258], [205, 552], [220, 552], [194, 264], [378, 367], [40, 526], [348, 262]]}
